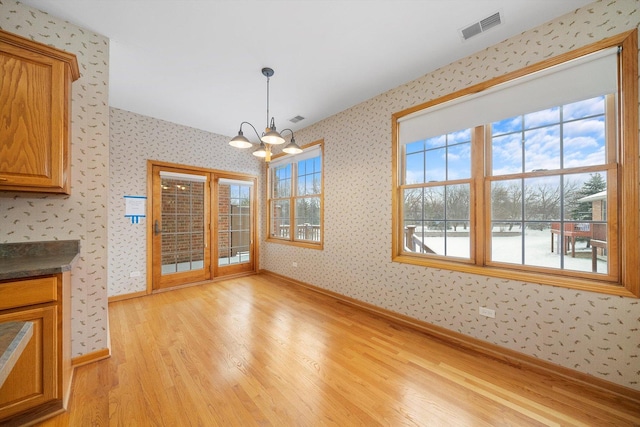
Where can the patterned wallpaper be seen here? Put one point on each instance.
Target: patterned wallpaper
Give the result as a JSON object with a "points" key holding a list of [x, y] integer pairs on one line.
{"points": [[134, 140], [592, 333], [83, 215], [589, 332]]}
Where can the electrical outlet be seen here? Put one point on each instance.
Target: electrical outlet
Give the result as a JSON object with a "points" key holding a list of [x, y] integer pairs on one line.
{"points": [[135, 274], [484, 311], [295, 264]]}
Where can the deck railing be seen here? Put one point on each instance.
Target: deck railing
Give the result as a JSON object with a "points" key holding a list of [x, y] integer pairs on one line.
{"points": [[413, 243], [303, 232]]}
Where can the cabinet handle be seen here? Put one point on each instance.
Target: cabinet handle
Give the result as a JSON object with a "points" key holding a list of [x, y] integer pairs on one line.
{"points": [[4, 179]]}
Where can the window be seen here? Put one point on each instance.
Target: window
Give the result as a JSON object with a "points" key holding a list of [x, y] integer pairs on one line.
{"points": [[532, 176], [295, 198]]}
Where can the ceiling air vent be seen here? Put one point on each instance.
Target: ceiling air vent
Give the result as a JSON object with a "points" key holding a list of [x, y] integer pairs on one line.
{"points": [[481, 26], [296, 119]]}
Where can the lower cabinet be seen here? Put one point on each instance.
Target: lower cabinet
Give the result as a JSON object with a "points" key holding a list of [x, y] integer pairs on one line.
{"points": [[32, 381], [38, 385]]}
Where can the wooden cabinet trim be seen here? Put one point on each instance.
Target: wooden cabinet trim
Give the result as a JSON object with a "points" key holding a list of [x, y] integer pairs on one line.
{"points": [[50, 51], [28, 292]]}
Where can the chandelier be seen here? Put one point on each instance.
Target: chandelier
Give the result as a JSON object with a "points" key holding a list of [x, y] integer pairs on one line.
{"points": [[269, 137]]}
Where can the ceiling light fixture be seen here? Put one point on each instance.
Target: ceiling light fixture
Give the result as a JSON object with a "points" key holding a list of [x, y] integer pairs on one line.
{"points": [[269, 137]]}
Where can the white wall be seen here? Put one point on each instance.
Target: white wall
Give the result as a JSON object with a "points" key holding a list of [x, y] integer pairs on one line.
{"points": [[589, 332], [83, 215]]}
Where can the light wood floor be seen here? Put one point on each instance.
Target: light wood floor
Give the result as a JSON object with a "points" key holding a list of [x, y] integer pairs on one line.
{"points": [[252, 351]]}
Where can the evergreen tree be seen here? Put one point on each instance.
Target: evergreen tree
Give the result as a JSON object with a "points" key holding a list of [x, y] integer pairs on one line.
{"points": [[583, 210]]}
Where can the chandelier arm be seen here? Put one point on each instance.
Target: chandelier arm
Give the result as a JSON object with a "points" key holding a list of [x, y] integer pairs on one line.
{"points": [[252, 127], [287, 129]]}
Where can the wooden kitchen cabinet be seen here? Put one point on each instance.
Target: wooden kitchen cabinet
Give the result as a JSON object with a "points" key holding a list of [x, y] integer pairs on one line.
{"points": [[35, 115], [38, 385]]}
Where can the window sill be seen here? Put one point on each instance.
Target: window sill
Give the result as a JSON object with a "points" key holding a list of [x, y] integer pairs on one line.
{"points": [[525, 276]]}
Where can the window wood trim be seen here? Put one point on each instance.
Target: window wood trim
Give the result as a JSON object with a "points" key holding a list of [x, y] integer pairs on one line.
{"points": [[290, 241], [628, 179]]}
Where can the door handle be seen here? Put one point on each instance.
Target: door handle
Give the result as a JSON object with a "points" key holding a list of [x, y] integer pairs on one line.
{"points": [[156, 228]]}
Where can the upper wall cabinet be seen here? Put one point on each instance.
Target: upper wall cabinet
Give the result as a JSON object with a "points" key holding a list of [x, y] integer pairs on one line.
{"points": [[35, 115]]}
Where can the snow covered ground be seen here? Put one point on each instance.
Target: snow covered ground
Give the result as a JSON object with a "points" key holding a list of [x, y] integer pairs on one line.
{"points": [[508, 248]]}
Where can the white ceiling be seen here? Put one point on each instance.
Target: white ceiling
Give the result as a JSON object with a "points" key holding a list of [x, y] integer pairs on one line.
{"points": [[198, 62]]}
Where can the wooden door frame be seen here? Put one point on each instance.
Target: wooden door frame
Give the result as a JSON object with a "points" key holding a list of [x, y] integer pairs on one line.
{"points": [[214, 174]]}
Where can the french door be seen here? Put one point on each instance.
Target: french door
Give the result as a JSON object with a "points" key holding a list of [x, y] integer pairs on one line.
{"points": [[202, 225], [234, 250]]}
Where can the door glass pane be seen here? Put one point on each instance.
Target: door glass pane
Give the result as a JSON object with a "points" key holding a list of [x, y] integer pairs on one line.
{"points": [[234, 223], [182, 225]]}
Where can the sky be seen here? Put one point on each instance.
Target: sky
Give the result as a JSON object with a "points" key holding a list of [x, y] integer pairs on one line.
{"points": [[548, 145]]}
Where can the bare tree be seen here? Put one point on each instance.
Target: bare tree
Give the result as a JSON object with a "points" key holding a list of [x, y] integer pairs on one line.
{"points": [[413, 205], [434, 206], [506, 202], [458, 203], [542, 202]]}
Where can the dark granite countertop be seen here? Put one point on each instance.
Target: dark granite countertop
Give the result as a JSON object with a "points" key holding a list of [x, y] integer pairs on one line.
{"points": [[20, 260], [14, 337]]}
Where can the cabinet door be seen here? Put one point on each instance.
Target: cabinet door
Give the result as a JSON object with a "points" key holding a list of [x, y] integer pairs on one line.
{"points": [[34, 121], [32, 381]]}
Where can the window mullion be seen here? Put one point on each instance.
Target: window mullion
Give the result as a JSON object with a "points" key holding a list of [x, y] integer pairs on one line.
{"points": [[606, 168], [612, 215], [480, 152], [292, 203]]}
